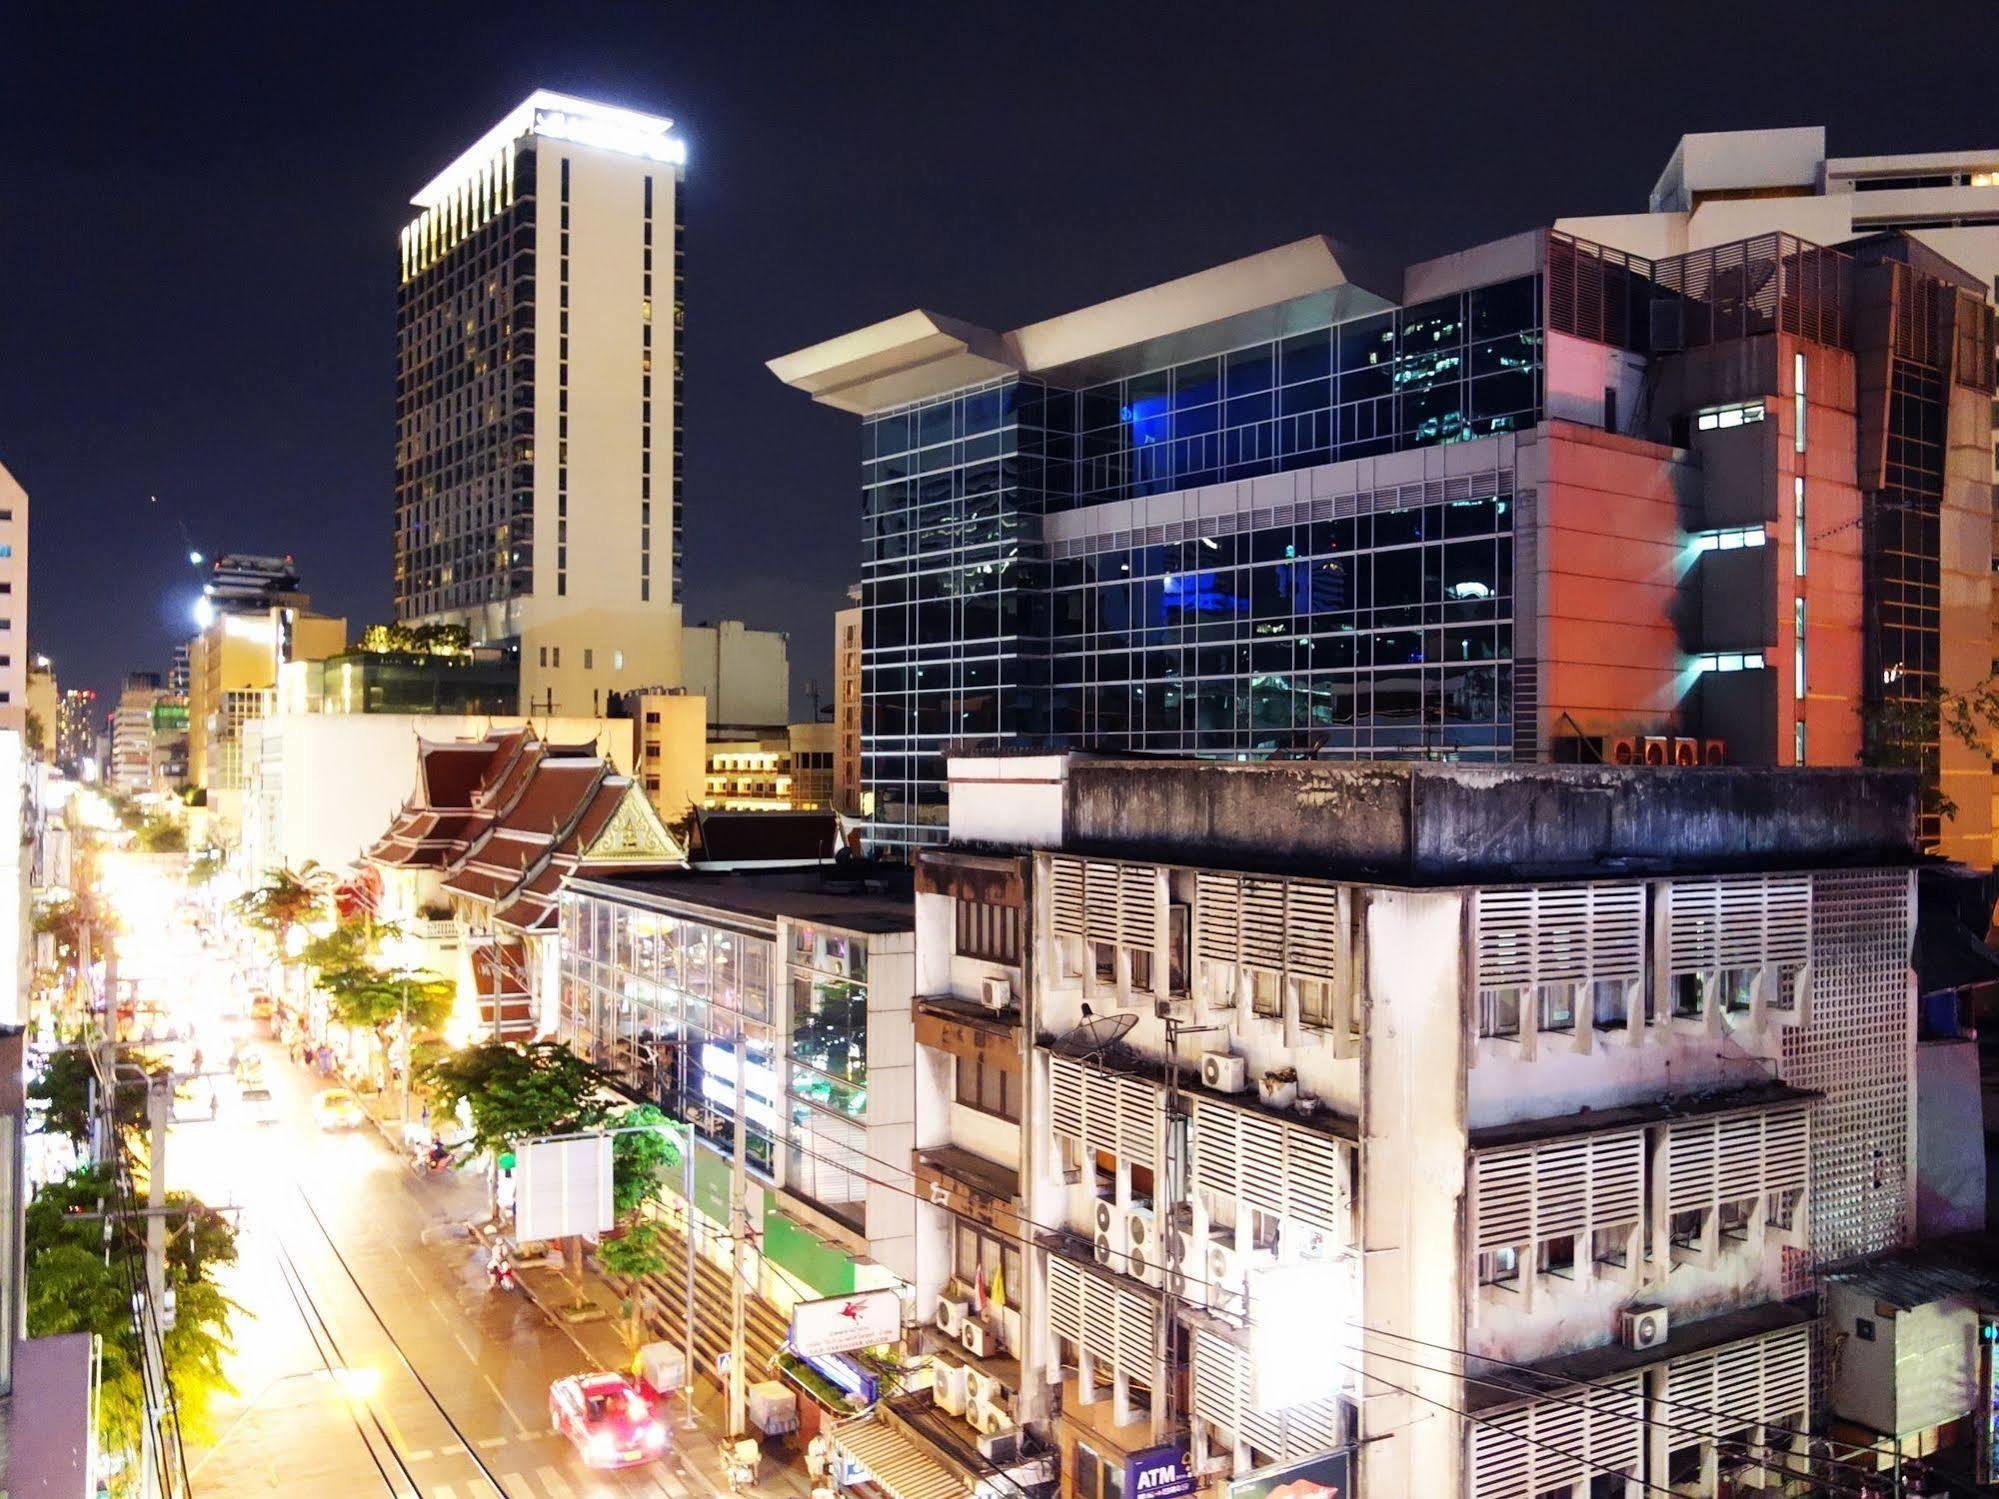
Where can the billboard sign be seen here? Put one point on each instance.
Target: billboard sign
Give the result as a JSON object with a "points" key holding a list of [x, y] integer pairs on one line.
{"points": [[840, 1324], [1159, 1473], [562, 1187], [1327, 1476]]}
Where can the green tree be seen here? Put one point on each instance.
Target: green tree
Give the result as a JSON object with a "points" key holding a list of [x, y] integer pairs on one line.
{"points": [[36, 733], [161, 835], [71, 1288], [65, 1090], [643, 1147], [639, 1251], [205, 865], [288, 898], [359, 996], [516, 1092]]}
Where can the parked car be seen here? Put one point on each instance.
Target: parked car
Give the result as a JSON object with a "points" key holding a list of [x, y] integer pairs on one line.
{"points": [[608, 1419], [260, 1007], [257, 1106], [336, 1108]]}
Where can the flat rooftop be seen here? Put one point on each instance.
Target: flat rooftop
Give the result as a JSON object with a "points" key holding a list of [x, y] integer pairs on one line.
{"points": [[1432, 823], [882, 903]]}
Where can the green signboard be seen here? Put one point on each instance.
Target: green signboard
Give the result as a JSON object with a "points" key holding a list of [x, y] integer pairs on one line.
{"points": [[805, 1256]]}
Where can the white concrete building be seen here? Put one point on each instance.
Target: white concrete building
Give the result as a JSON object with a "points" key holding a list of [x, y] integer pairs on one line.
{"points": [[538, 400], [132, 733], [1365, 1106], [14, 607]]}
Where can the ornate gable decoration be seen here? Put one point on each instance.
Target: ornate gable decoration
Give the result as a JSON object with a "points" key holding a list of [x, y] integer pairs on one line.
{"points": [[634, 835]]}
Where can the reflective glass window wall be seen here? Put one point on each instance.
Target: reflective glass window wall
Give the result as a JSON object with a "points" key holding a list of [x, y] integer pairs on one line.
{"points": [[672, 1007], [971, 637], [1377, 634]]}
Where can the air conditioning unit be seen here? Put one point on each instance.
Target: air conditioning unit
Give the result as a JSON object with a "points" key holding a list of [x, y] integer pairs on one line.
{"points": [[988, 1419], [977, 1337], [1642, 1326], [1227, 1280], [951, 1314], [947, 1386], [1223, 1072], [1714, 752], [1178, 1244], [1656, 749], [1625, 751], [1686, 752], [1001, 1445], [1106, 1214], [1141, 1241], [981, 1389], [995, 994]]}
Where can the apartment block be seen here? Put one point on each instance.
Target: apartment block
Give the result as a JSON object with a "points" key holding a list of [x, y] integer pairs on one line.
{"points": [[1418, 1129], [538, 402]]}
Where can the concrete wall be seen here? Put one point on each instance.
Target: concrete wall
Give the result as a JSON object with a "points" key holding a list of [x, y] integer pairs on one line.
{"points": [[1605, 583], [606, 631], [1411, 1190], [744, 674], [337, 780], [673, 752], [14, 608], [1410, 822]]}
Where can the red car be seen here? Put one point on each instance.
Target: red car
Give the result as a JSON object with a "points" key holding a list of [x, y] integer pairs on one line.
{"points": [[608, 1418]]}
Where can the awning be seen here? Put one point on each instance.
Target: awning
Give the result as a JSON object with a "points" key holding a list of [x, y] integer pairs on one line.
{"points": [[898, 1466]]}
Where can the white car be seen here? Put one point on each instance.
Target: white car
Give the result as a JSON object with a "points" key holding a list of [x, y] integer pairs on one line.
{"points": [[255, 1104]]}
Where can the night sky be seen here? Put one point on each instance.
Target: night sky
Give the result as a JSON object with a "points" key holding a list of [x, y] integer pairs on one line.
{"points": [[199, 209]]}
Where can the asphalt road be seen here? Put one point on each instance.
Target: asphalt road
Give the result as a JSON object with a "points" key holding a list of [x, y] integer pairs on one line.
{"points": [[349, 1260]]}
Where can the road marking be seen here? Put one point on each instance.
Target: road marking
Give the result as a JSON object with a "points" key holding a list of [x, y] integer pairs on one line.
{"points": [[520, 1426], [492, 1442], [557, 1486], [420, 1455], [443, 1491]]}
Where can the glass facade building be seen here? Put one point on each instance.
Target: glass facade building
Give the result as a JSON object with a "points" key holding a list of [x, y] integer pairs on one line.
{"points": [[675, 1006], [1382, 631]]}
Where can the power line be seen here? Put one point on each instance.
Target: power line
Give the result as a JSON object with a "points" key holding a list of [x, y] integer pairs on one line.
{"points": [[471, 1450], [295, 1288], [1641, 1420]]}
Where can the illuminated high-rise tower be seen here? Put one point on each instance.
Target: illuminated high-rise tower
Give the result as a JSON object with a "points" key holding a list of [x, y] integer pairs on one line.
{"points": [[538, 401]]}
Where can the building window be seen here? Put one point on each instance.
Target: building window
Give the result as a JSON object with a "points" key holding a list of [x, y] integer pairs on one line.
{"points": [[589, 658], [1611, 1246], [1684, 1229], [1610, 1004], [1732, 540], [555, 656], [1798, 674], [1735, 1216], [1558, 1007], [1798, 381], [977, 1257], [1720, 417], [988, 1088], [1266, 994], [1798, 546], [988, 932], [652, 718], [1499, 1012], [1315, 1003], [1558, 1256], [1500, 1267]]}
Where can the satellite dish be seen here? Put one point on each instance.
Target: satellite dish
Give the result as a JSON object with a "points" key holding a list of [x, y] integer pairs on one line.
{"points": [[1094, 1034]]}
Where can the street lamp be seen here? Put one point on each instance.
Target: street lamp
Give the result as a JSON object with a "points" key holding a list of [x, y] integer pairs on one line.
{"points": [[354, 1384]]}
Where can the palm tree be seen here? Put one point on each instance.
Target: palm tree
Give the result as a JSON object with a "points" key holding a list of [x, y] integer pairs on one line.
{"points": [[288, 899]]}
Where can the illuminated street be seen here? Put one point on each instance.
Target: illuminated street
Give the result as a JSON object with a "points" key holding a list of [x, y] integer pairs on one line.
{"points": [[482, 1361], [351, 1263]]}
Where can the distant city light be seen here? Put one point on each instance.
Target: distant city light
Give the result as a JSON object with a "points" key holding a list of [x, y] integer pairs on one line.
{"points": [[204, 611], [195, 558]]}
